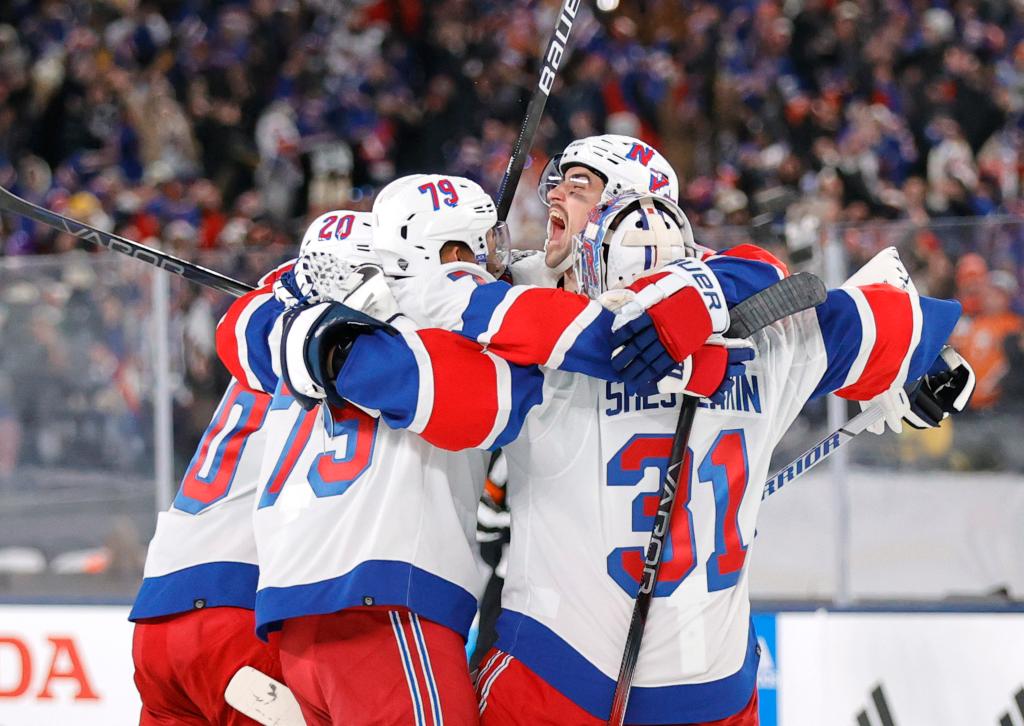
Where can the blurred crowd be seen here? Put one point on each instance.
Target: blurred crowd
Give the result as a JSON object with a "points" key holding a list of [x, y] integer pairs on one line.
{"points": [[218, 124], [215, 129]]}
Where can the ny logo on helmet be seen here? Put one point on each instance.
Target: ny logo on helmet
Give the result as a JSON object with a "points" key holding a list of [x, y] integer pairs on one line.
{"points": [[641, 153], [659, 180]]}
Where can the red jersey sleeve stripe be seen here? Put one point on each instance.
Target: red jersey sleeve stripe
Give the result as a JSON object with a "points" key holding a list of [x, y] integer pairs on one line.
{"points": [[533, 325], [458, 377], [892, 319], [230, 341]]}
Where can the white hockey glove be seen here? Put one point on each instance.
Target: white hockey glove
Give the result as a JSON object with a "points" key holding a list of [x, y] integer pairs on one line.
{"points": [[314, 344], [321, 277], [895, 405]]}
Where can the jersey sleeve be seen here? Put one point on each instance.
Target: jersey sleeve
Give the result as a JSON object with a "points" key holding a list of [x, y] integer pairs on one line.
{"points": [[441, 386], [876, 336], [530, 325], [246, 333]]}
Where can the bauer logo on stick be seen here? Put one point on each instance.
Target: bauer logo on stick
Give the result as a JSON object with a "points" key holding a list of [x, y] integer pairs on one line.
{"points": [[556, 48]]}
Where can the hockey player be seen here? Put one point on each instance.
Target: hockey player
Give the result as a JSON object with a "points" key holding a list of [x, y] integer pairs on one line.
{"points": [[194, 625], [589, 458], [366, 534], [426, 230]]}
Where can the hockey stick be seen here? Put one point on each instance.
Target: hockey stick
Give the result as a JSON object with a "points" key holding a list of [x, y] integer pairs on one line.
{"points": [[554, 53], [265, 700], [10, 202], [821, 450], [787, 297]]}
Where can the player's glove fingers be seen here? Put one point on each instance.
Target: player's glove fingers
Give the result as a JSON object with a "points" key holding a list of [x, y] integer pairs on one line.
{"points": [[895, 405], [946, 389], [738, 359], [640, 373], [643, 346], [632, 329]]}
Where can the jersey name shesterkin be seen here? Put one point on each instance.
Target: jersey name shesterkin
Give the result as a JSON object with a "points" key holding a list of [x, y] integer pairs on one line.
{"points": [[583, 475], [203, 553]]}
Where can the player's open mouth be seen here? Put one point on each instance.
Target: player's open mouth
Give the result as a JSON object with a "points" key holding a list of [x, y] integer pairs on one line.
{"points": [[556, 224]]}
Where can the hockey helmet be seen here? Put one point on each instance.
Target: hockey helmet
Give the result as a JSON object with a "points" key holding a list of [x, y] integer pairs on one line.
{"points": [[627, 237], [335, 244], [624, 163], [414, 216]]}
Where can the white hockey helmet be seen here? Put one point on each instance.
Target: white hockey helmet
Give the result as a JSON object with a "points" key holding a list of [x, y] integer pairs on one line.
{"points": [[335, 244], [349, 235], [624, 163], [627, 237], [414, 216]]}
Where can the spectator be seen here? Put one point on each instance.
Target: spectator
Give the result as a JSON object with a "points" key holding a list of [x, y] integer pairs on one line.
{"points": [[981, 336]]}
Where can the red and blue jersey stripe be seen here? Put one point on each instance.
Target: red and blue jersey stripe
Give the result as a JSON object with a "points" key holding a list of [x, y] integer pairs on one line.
{"points": [[876, 336], [441, 386], [243, 338]]}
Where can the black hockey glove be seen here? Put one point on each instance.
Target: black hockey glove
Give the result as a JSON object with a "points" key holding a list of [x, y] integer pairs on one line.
{"points": [[946, 389], [315, 342]]}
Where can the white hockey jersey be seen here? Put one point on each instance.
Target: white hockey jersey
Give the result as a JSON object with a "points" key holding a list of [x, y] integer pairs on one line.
{"points": [[583, 478], [352, 512], [203, 553]]}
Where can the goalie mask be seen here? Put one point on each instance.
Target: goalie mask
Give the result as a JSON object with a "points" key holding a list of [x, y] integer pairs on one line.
{"points": [[415, 216], [624, 163], [627, 237]]}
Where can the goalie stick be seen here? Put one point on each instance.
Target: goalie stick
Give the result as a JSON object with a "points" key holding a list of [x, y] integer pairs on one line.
{"points": [[787, 297], [554, 53], [11, 202]]}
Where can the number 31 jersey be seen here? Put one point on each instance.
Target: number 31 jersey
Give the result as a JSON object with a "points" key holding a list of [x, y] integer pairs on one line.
{"points": [[584, 473]]}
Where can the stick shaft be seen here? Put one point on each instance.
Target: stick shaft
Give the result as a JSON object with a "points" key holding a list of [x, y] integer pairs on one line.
{"points": [[554, 53], [821, 450], [652, 562], [10, 202]]}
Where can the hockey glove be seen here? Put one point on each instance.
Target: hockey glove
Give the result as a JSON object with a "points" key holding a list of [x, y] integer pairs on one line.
{"points": [[946, 389], [708, 373], [314, 344], [664, 318]]}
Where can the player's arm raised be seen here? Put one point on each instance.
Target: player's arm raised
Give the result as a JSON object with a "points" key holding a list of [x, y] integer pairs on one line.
{"points": [[876, 336]]}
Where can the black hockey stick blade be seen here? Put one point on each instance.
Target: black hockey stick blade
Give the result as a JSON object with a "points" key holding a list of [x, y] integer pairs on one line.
{"points": [[554, 53], [10, 202], [789, 296]]}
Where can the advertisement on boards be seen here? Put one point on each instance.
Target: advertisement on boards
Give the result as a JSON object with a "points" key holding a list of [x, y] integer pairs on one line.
{"points": [[900, 669], [66, 665]]}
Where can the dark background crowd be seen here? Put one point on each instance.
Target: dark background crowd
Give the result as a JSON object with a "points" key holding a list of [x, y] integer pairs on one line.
{"points": [[216, 130]]}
